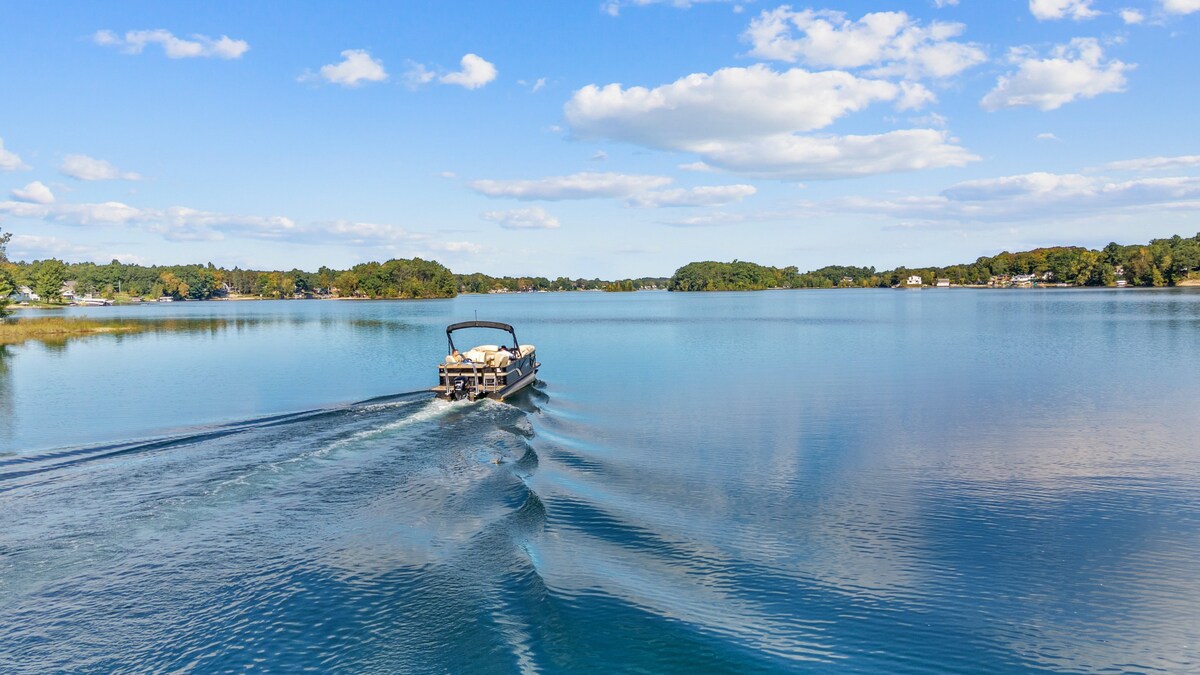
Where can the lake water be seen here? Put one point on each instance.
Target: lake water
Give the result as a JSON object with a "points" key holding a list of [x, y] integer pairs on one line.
{"points": [[866, 481]]}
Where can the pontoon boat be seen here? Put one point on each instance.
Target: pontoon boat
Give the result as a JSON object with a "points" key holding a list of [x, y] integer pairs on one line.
{"points": [[486, 371]]}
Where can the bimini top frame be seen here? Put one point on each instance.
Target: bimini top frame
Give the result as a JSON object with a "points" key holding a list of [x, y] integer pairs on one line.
{"points": [[478, 324]]}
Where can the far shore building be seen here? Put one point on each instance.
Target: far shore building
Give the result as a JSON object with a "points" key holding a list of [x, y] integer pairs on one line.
{"points": [[943, 283], [915, 280], [25, 294]]}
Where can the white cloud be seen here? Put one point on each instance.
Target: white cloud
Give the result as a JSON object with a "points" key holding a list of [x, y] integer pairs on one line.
{"points": [[892, 42], [1132, 17], [749, 120], [416, 74], [706, 220], [731, 103], [827, 157], [36, 193], [1075, 70], [535, 86], [1036, 196], [532, 218], [944, 3], [358, 233], [9, 160], [613, 7], [37, 247], [82, 167], [1044, 10], [1181, 6], [586, 185], [177, 223], [475, 73], [357, 66], [1145, 164], [1047, 136], [200, 46], [715, 195], [454, 246]]}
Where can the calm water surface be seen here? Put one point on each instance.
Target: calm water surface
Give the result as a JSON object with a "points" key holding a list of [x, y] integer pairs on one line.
{"points": [[866, 481]]}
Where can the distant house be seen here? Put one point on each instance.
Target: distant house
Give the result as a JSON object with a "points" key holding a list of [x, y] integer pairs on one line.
{"points": [[915, 280], [943, 283], [67, 292], [25, 294]]}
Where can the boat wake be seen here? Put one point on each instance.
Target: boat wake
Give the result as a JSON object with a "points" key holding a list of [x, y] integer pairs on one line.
{"points": [[337, 536]]}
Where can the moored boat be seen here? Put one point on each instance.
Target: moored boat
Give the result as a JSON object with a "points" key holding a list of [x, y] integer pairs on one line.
{"points": [[485, 371]]}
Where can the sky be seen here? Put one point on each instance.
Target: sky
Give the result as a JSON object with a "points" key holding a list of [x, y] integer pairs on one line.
{"points": [[609, 138]]}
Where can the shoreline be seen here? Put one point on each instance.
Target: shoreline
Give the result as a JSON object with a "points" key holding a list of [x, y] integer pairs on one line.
{"points": [[1190, 283]]}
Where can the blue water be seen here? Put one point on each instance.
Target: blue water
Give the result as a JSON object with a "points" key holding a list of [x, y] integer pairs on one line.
{"points": [[860, 481]]}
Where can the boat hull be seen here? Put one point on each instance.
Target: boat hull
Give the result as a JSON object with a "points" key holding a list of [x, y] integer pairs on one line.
{"points": [[458, 384]]}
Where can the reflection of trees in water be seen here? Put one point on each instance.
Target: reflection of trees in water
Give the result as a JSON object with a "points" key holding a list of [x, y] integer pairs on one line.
{"points": [[6, 400], [123, 329]]}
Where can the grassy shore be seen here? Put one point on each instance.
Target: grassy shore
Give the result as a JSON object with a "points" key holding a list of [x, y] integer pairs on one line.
{"points": [[55, 329]]}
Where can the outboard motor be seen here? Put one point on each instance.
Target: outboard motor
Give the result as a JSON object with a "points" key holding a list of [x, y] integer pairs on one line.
{"points": [[460, 389]]}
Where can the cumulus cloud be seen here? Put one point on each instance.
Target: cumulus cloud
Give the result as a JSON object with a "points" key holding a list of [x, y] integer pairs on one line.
{"points": [[357, 66], [82, 167], [360, 233], [1036, 196], [177, 223], [10, 161], [1047, 136], [475, 72], [1145, 164], [714, 195], [892, 43], [34, 193], [1045, 10], [751, 120], [637, 190], [585, 185], [731, 103], [828, 157], [1132, 17], [1181, 6], [532, 218], [199, 46], [1072, 71]]}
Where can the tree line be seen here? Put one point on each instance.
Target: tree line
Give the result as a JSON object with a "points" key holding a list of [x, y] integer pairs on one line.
{"points": [[1161, 262], [397, 278]]}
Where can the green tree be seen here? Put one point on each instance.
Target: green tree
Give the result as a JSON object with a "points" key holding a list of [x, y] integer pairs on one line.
{"points": [[49, 279], [8, 286], [5, 237]]}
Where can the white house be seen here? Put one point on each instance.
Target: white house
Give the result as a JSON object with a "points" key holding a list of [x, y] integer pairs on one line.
{"points": [[25, 294], [943, 283], [914, 280]]}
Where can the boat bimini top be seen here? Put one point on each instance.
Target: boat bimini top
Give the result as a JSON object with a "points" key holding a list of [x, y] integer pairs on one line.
{"points": [[478, 324]]}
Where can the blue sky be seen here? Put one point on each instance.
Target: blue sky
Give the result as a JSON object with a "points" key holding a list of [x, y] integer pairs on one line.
{"points": [[595, 138]]}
